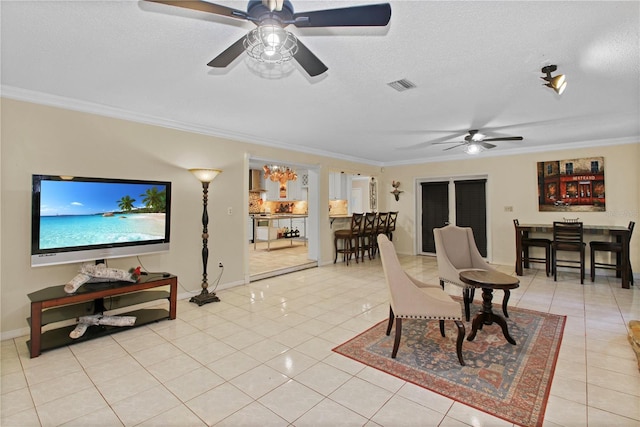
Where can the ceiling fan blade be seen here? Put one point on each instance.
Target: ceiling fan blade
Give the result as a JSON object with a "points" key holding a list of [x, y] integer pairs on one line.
{"points": [[485, 145], [506, 138], [229, 55], [204, 6], [442, 140], [375, 15], [307, 60], [455, 146]]}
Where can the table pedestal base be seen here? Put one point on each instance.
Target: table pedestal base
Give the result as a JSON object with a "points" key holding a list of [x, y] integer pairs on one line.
{"points": [[486, 316]]}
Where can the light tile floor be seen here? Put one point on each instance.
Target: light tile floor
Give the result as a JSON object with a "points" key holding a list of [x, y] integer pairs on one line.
{"points": [[262, 357], [282, 257]]}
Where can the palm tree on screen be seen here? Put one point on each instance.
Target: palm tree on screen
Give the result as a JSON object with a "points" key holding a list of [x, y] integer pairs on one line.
{"points": [[126, 203], [154, 200]]}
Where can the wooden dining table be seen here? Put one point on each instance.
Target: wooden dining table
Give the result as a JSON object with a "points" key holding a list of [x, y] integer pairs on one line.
{"points": [[620, 233]]}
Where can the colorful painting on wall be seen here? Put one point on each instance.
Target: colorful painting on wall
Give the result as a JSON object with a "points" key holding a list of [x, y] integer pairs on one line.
{"points": [[573, 185]]}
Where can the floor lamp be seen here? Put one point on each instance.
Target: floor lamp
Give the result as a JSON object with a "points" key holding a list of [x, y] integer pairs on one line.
{"points": [[205, 176]]}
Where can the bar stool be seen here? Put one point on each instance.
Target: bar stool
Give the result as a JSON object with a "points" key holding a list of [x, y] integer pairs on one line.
{"points": [[380, 228], [528, 242], [391, 224], [567, 236], [350, 239], [613, 247], [367, 235]]}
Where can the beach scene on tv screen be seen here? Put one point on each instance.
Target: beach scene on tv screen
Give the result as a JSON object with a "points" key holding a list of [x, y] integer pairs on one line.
{"points": [[74, 213]]}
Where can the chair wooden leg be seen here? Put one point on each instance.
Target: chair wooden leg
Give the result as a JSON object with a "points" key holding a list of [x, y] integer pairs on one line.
{"points": [[466, 297], [592, 254], [356, 249], [547, 260], [582, 267], [391, 317], [441, 327], [460, 340], [396, 341]]}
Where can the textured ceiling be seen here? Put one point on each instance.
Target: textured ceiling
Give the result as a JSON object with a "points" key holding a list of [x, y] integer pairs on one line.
{"points": [[476, 65]]}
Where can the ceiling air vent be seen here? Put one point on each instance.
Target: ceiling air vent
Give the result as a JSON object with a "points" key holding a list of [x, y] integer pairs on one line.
{"points": [[402, 85]]}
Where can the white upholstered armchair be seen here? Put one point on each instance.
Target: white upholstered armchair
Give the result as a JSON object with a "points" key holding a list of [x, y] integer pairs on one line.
{"points": [[412, 299], [456, 251]]}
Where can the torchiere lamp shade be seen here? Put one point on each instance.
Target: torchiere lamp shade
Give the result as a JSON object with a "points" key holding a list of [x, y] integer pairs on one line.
{"points": [[205, 175]]}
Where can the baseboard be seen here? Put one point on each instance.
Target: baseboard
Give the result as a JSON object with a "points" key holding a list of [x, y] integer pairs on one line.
{"points": [[268, 274]]}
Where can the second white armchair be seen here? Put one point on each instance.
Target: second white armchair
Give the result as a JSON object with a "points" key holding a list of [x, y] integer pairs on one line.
{"points": [[456, 251]]}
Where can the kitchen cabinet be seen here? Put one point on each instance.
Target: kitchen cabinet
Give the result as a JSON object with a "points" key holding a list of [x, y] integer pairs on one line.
{"points": [[250, 229], [337, 186], [273, 189], [294, 190]]}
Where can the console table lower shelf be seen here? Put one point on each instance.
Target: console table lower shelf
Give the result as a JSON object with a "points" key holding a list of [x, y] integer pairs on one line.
{"points": [[53, 304]]}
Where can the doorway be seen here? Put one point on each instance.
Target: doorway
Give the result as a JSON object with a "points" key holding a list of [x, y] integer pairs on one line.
{"points": [[271, 253], [461, 201]]}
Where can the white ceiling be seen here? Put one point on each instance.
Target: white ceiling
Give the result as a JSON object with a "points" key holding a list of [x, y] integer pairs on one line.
{"points": [[476, 65]]}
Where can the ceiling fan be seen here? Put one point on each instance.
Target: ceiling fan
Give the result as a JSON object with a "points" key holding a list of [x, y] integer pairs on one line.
{"points": [[272, 16], [474, 141]]}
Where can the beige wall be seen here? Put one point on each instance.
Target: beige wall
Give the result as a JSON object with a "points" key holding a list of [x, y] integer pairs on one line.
{"points": [[46, 140], [38, 139], [512, 182]]}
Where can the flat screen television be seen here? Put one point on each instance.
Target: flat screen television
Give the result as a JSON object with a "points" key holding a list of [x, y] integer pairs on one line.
{"points": [[76, 219]]}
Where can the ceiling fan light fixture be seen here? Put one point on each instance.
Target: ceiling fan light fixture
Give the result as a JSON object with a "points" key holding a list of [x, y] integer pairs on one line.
{"points": [[270, 43], [473, 149], [557, 83], [477, 137]]}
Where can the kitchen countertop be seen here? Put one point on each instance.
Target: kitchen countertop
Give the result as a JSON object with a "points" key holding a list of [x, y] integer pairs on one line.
{"points": [[278, 216]]}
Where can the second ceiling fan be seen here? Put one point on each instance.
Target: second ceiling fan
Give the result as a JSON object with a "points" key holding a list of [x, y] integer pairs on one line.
{"points": [[474, 141], [270, 38]]}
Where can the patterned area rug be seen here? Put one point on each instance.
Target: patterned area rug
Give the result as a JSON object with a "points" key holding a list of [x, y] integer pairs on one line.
{"points": [[509, 381]]}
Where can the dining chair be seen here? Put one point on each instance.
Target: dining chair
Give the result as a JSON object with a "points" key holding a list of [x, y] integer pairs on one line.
{"points": [[537, 242], [380, 228], [614, 248], [456, 251], [391, 224], [567, 237], [367, 235], [350, 239], [412, 299]]}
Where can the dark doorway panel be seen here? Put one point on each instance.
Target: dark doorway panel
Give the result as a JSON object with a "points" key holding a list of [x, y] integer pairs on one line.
{"points": [[471, 209], [435, 211]]}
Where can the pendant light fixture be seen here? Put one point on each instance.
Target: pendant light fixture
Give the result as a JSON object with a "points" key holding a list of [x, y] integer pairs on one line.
{"points": [[279, 173]]}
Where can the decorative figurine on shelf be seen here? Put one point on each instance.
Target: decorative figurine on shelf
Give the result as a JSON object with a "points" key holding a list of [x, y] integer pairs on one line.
{"points": [[396, 192], [91, 273]]}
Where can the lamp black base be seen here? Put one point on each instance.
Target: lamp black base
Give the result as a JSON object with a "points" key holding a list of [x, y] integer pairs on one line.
{"points": [[205, 297]]}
